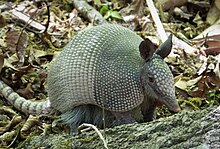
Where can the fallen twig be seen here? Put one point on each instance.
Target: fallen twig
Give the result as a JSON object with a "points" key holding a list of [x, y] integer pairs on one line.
{"points": [[96, 130], [161, 31], [25, 18], [89, 12], [156, 19]]}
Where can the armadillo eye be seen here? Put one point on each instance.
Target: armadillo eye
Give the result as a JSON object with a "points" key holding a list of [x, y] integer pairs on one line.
{"points": [[151, 79]]}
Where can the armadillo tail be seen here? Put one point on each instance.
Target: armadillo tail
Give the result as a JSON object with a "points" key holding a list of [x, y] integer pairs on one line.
{"points": [[20, 103]]}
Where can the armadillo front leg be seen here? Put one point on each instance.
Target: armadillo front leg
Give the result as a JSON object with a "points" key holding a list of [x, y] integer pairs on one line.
{"points": [[123, 117], [149, 115]]}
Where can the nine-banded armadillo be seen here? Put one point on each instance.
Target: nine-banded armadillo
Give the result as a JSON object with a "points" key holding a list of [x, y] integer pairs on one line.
{"points": [[105, 67]]}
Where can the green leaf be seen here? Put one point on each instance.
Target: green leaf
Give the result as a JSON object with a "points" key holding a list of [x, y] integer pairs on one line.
{"points": [[104, 9], [116, 15], [107, 15]]}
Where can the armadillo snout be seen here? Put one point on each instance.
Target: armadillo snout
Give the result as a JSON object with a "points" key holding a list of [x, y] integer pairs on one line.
{"points": [[171, 104]]}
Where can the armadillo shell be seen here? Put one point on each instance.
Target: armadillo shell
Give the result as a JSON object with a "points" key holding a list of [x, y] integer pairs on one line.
{"points": [[99, 66]]}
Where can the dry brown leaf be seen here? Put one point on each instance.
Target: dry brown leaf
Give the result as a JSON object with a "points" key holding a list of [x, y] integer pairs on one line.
{"points": [[133, 11], [9, 65], [7, 111], [212, 32], [181, 84], [30, 123], [17, 42], [27, 92], [206, 83], [192, 82], [2, 21], [15, 120], [217, 4], [212, 51], [214, 12], [8, 136], [170, 4], [213, 42], [214, 80], [202, 89], [11, 39], [26, 68]]}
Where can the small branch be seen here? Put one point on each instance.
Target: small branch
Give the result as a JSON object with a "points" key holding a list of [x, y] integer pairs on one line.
{"points": [[96, 130], [89, 12], [48, 16], [25, 18], [160, 29], [29, 21]]}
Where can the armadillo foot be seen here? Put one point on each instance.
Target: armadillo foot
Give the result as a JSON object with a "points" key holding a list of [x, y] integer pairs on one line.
{"points": [[123, 118]]}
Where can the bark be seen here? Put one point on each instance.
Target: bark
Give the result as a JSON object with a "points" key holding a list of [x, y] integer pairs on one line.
{"points": [[199, 129]]}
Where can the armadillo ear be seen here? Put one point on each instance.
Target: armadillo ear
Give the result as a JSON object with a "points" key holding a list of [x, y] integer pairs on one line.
{"points": [[165, 49], [147, 49]]}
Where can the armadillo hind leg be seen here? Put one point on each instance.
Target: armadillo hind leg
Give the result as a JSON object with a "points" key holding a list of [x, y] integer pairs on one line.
{"points": [[87, 114]]}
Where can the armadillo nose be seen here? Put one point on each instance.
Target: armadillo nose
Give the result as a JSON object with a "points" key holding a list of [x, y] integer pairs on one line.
{"points": [[172, 104], [177, 109], [174, 107]]}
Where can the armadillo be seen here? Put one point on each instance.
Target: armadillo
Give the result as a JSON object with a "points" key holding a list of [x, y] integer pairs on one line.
{"points": [[105, 67]]}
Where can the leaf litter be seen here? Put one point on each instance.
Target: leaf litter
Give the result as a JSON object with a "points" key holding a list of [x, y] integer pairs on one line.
{"points": [[27, 52]]}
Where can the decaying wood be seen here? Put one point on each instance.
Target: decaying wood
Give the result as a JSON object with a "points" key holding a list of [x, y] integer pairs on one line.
{"points": [[198, 129], [88, 12]]}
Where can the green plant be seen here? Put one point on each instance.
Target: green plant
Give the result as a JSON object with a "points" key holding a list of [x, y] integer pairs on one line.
{"points": [[110, 13]]}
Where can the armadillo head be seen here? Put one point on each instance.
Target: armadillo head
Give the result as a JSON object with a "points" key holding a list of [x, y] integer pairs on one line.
{"points": [[156, 76]]}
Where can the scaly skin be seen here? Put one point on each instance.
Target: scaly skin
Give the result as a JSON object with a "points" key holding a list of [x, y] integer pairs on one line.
{"points": [[26, 106], [107, 67]]}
